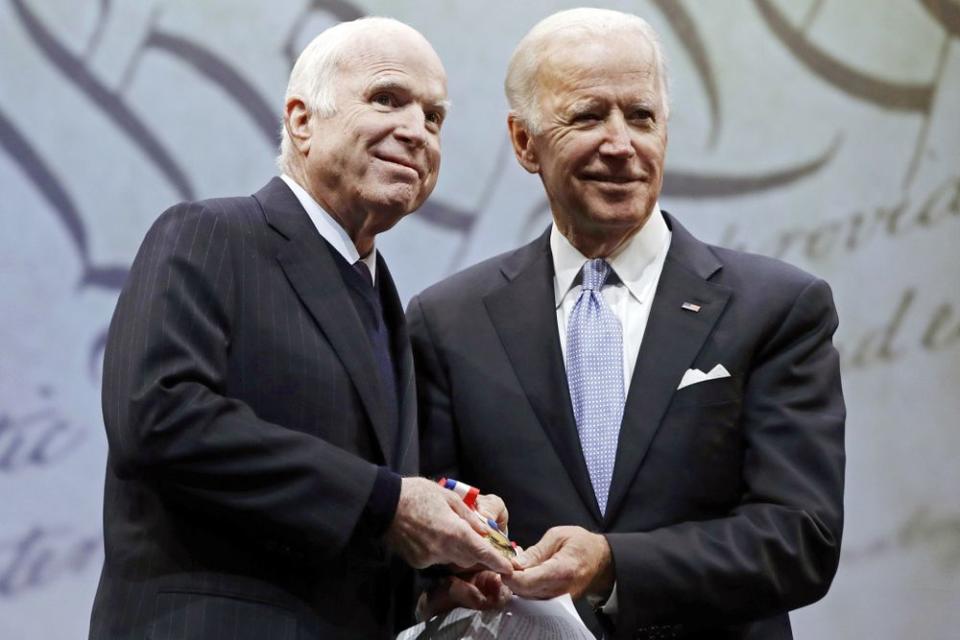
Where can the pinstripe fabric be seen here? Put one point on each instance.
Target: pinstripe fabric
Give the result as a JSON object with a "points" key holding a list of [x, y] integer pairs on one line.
{"points": [[244, 430]]}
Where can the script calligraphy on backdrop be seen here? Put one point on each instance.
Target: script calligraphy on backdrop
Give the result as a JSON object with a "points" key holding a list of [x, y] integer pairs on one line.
{"points": [[37, 434]]}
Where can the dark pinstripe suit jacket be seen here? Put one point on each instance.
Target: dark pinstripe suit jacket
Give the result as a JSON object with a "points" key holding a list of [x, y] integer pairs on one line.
{"points": [[245, 423]]}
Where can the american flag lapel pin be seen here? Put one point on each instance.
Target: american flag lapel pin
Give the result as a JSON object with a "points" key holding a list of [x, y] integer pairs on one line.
{"points": [[689, 306]]}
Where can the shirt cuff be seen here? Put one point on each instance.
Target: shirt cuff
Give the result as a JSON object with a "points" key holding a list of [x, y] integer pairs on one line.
{"points": [[382, 504], [610, 607]]}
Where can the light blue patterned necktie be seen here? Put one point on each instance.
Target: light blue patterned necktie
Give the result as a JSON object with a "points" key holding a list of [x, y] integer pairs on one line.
{"points": [[595, 377]]}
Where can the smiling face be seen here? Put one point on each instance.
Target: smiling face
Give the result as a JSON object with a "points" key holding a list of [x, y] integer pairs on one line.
{"points": [[602, 140], [377, 157]]}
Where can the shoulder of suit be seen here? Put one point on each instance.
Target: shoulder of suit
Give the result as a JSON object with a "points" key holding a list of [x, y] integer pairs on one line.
{"points": [[221, 213], [475, 281], [225, 207], [762, 281], [757, 266], [735, 267]]}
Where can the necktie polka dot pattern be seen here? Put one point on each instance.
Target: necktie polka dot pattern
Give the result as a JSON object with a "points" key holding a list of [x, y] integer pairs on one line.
{"points": [[595, 377]]}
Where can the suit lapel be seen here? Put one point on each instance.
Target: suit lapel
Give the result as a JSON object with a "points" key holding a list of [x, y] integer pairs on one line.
{"points": [[307, 261], [672, 339], [523, 312], [406, 454]]}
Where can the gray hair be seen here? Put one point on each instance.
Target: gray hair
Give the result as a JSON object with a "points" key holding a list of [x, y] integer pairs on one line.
{"points": [[314, 75], [521, 82]]}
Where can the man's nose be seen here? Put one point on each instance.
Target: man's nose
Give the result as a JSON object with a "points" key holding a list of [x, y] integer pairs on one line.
{"points": [[617, 142], [412, 128]]}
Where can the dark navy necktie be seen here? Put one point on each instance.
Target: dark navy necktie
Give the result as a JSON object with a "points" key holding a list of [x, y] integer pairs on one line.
{"points": [[376, 327]]}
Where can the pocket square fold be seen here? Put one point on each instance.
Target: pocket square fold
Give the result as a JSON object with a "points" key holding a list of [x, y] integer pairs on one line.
{"points": [[693, 376]]}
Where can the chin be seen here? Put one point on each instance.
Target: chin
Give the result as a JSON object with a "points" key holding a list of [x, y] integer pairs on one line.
{"points": [[620, 214], [399, 200]]}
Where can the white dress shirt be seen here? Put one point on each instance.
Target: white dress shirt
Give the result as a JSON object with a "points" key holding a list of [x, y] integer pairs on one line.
{"points": [[638, 264], [330, 229]]}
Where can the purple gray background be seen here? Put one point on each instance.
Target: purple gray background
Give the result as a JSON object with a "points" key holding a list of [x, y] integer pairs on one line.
{"points": [[825, 132]]}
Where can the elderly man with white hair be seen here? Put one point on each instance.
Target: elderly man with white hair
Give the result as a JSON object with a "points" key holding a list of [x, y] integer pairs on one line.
{"points": [[663, 418], [258, 384]]}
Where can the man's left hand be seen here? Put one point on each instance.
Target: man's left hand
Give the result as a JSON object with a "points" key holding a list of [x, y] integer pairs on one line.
{"points": [[566, 560], [482, 590]]}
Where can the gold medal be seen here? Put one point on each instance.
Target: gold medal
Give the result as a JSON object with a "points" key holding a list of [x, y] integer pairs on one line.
{"points": [[501, 543]]}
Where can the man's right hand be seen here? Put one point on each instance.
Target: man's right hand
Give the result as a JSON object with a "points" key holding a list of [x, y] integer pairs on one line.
{"points": [[432, 525]]}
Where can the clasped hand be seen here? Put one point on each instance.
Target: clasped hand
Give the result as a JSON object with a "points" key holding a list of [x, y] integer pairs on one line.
{"points": [[566, 560], [432, 526]]}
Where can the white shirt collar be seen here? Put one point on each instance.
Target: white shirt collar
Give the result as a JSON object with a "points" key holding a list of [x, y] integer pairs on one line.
{"points": [[629, 262], [330, 229]]}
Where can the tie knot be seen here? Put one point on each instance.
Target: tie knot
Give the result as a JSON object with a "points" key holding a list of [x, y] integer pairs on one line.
{"points": [[595, 273], [361, 267]]}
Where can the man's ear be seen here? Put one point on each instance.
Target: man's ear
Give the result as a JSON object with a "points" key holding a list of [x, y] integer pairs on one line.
{"points": [[298, 120], [523, 146]]}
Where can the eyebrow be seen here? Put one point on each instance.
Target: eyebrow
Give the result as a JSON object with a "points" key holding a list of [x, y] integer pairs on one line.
{"points": [[588, 104], [391, 84], [584, 104]]}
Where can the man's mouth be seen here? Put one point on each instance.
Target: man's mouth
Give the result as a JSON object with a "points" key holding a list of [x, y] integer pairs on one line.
{"points": [[612, 179], [403, 162]]}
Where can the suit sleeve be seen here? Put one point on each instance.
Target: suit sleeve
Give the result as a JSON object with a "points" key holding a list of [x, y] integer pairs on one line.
{"points": [[779, 548], [170, 421]]}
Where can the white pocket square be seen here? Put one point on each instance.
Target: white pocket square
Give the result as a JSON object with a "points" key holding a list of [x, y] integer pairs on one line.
{"points": [[693, 376]]}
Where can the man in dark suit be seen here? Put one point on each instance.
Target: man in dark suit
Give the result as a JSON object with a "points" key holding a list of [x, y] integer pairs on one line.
{"points": [[663, 418], [258, 392]]}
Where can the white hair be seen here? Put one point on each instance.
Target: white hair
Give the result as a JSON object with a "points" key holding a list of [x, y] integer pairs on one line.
{"points": [[521, 83], [314, 75]]}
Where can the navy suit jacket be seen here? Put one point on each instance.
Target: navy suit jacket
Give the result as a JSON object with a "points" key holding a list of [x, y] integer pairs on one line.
{"points": [[725, 509], [246, 423]]}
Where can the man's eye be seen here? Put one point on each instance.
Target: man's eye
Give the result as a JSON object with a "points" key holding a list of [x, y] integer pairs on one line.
{"points": [[643, 114], [434, 117], [586, 117], [384, 99]]}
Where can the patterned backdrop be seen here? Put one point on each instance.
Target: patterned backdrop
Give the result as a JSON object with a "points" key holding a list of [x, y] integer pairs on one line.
{"points": [[825, 132]]}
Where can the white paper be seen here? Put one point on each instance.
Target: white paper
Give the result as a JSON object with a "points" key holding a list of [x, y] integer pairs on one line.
{"points": [[521, 619]]}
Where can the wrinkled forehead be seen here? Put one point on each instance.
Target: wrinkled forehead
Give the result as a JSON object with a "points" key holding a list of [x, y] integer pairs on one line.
{"points": [[577, 61], [394, 53], [583, 54]]}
